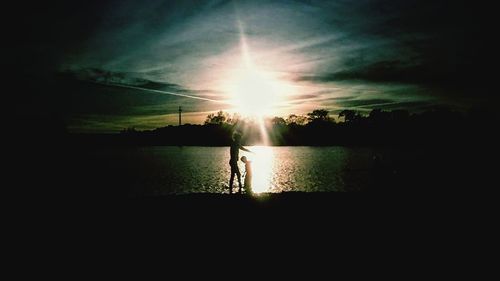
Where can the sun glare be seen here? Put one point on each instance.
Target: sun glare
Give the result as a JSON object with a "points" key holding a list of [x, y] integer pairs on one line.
{"points": [[255, 93]]}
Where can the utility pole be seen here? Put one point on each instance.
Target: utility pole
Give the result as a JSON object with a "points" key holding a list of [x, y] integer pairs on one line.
{"points": [[180, 114]]}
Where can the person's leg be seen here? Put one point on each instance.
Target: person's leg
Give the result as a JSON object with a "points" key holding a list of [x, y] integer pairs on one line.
{"points": [[231, 183], [248, 184], [239, 180]]}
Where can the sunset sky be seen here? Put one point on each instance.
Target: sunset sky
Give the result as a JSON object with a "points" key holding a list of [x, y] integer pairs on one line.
{"points": [[108, 65]]}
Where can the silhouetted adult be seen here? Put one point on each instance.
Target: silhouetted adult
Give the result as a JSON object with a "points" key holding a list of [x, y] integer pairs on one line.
{"points": [[233, 162]]}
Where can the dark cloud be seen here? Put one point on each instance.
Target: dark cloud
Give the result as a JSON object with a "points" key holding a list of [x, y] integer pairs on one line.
{"points": [[364, 103], [410, 105], [427, 43], [386, 71], [123, 78]]}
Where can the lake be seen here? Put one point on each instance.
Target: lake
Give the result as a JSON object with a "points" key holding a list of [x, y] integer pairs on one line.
{"points": [[165, 170], [119, 171]]}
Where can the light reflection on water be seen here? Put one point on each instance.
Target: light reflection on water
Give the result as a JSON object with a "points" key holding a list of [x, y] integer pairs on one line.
{"points": [[177, 170], [262, 160]]}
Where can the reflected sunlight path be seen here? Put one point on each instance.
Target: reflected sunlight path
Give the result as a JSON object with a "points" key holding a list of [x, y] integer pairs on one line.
{"points": [[262, 168]]}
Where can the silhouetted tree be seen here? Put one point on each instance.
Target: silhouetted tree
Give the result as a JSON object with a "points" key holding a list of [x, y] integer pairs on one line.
{"points": [[294, 119], [379, 127], [234, 119], [318, 115], [129, 130], [217, 119], [378, 116], [278, 121], [349, 115]]}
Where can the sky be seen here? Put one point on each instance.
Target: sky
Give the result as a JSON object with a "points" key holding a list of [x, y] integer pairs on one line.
{"points": [[108, 65]]}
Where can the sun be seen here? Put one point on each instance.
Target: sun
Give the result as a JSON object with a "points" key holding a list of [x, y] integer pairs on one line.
{"points": [[255, 92]]}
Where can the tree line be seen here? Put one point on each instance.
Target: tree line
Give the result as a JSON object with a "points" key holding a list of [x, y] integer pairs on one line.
{"points": [[320, 127]]}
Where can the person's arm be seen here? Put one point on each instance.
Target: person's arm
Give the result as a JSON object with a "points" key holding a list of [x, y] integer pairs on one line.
{"points": [[244, 149]]}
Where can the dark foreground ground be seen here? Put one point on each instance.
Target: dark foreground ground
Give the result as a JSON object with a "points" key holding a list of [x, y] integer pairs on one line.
{"points": [[234, 221], [285, 203]]}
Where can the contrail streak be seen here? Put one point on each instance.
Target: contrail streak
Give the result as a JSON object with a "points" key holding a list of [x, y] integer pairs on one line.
{"points": [[162, 92]]}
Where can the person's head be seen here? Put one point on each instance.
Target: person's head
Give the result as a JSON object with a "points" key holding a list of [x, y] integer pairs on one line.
{"points": [[244, 159], [237, 136]]}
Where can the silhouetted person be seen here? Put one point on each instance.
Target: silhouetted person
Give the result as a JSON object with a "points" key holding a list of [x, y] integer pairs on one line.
{"points": [[248, 174], [233, 162]]}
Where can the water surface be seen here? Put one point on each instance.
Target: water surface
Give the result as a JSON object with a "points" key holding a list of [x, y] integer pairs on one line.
{"points": [[178, 170]]}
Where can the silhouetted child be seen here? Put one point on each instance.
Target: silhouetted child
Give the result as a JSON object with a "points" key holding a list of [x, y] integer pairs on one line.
{"points": [[248, 174]]}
